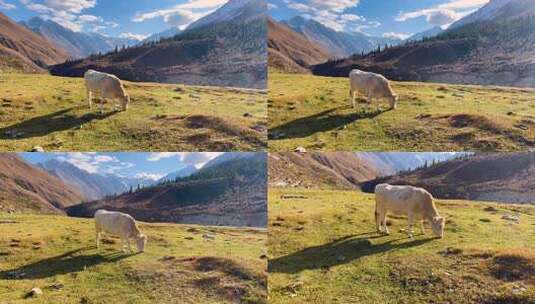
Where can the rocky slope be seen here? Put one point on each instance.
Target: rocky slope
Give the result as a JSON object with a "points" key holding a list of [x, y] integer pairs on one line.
{"points": [[496, 50], [231, 193], [290, 51], [24, 50], [223, 53], [504, 177], [24, 187]]}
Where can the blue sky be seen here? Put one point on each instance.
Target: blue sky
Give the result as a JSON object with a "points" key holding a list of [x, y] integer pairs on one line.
{"points": [[394, 18], [150, 165], [134, 18]]}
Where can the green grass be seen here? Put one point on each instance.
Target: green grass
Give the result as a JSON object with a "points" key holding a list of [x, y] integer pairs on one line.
{"points": [[52, 112], [179, 263], [316, 113], [323, 248]]}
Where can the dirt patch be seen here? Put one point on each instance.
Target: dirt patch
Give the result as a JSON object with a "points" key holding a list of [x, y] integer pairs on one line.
{"points": [[475, 121]]}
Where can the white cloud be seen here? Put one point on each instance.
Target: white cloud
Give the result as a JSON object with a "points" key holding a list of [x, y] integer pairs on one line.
{"points": [[272, 6], [94, 163], [444, 14], [182, 15], [151, 176], [331, 13], [197, 159], [394, 35], [68, 13], [6, 6], [138, 37]]}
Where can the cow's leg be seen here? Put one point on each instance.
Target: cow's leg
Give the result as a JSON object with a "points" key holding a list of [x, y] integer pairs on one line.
{"points": [[89, 97], [369, 102], [411, 220], [97, 239], [128, 243], [102, 100], [353, 96], [378, 222], [123, 245], [383, 221], [422, 227]]}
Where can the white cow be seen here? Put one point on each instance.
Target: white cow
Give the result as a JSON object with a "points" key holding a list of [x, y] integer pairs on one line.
{"points": [[119, 224], [105, 86], [373, 86], [414, 202]]}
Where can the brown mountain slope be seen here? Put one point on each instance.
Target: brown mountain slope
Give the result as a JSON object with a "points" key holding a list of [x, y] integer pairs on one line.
{"points": [[495, 51], [505, 177], [290, 51], [343, 170], [22, 48], [24, 187]]}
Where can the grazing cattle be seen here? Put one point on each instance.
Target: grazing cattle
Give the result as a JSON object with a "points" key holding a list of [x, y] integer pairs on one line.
{"points": [[373, 86], [105, 86], [119, 224], [414, 202]]}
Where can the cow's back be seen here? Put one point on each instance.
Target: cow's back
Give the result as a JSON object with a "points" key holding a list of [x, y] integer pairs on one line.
{"points": [[107, 85], [112, 222], [401, 199]]}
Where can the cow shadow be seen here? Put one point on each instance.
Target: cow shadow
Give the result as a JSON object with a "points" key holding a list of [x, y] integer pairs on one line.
{"points": [[53, 122], [340, 251], [69, 262], [319, 122]]}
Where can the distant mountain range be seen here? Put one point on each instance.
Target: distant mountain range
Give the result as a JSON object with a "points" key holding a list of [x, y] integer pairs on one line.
{"points": [[501, 177], [230, 41], [93, 186], [24, 50], [171, 32], [343, 170], [76, 44], [184, 172], [493, 46], [432, 32], [338, 44], [230, 192]]}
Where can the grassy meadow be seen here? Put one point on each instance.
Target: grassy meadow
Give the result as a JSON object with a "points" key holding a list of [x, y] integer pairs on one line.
{"points": [[323, 248], [184, 263], [52, 112], [316, 113]]}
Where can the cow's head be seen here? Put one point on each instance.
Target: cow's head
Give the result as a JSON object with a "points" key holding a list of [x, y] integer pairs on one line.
{"points": [[437, 223], [141, 241], [393, 100]]}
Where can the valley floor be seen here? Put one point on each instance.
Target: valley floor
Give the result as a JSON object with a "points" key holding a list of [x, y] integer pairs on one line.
{"points": [[185, 263], [316, 113], [323, 248], [52, 112]]}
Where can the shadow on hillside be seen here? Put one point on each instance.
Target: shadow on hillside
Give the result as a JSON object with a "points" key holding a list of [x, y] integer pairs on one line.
{"points": [[69, 262], [43, 125], [341, 251], [320, 122]]}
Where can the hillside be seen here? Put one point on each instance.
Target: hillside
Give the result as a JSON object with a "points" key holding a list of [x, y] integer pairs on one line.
{"points": [[25, 188], [323, 248], [498, 50], [291, 52], [229, 53], [315, 113], [76, 44], [52, 112], [507, 177], [343, 170], [195, 264], [23, 50], [232, 193]]}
